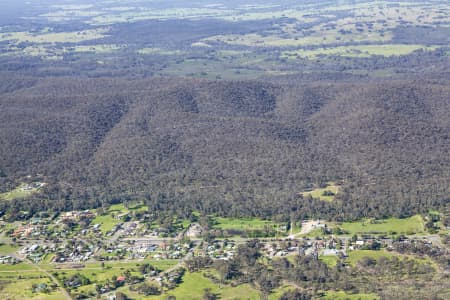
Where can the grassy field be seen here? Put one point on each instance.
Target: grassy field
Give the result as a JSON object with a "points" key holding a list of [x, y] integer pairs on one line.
{"points": [[142, 14], [357, 51], [412, 225], [6, 249], [278, 40], [332, 295], [357, 255], [54, 37], [315, 233], [16, 282], [107, 222], [227, 67], [117, 12], [319, 192], [22, 289], [194, 284], [18, 192], [242, 223], [276, 294], [98, 274], [120, 208], [158, 51], [98, 49], [330, 260]]}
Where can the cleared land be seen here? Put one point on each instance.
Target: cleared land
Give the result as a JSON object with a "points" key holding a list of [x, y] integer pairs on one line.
{"points": [[54, 37], [358, 51], [410, 225], [22, 191], [242, 223], [111, 218], [327, 193], [17, 280], [344, 296]]}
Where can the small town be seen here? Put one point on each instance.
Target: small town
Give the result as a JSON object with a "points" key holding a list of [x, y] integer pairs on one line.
{"points": [[151, 258]]}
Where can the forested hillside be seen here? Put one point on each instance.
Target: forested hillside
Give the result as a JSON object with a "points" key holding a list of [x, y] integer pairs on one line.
{"points": [[235, 148]]}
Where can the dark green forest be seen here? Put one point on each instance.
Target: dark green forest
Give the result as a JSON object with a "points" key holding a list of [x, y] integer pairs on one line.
{"points": [[231, 148]]}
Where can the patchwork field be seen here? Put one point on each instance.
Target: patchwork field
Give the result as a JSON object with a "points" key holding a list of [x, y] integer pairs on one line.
{"points": [[358, 51], [285, 38], [45, 37]]}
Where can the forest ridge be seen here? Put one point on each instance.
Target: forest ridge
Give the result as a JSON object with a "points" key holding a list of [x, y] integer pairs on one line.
{"points": [[232, 148]]}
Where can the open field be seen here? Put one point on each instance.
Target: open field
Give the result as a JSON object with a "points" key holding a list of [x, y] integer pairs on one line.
{"points": [[358, 51], [107, 222], [22, 289], [331, 295], [6, 249], [242, 223], [321, 38], [357, 255], [22, 191], [330, 260], [98, 49], [53, 37], [194, 284], [410, 225], [110, 218], [18, 279], [157, 51], [327, 193]]}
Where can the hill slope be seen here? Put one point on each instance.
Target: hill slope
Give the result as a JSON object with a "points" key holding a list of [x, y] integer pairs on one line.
{"points": [[233, 148]]}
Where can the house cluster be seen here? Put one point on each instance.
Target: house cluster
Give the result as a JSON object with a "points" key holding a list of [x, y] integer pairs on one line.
{"points": [[370, 243], [35, 252], [76, 216], [305, 246], [224, 250], [28, 231], [171, 279], [132, 229], [143, 248], [166, 250], [33, 186], [278, 249], [6, 259], [76, 251]]}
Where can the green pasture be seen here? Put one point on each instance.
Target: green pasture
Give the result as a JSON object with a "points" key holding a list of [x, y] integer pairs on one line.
{"points": [[242, 223], [6, 248], [357, 255], [193, 286], [107, 222], [54, 37], [412, 225], [357, 51], [332, 295], [17, 193], [319, 192]]}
